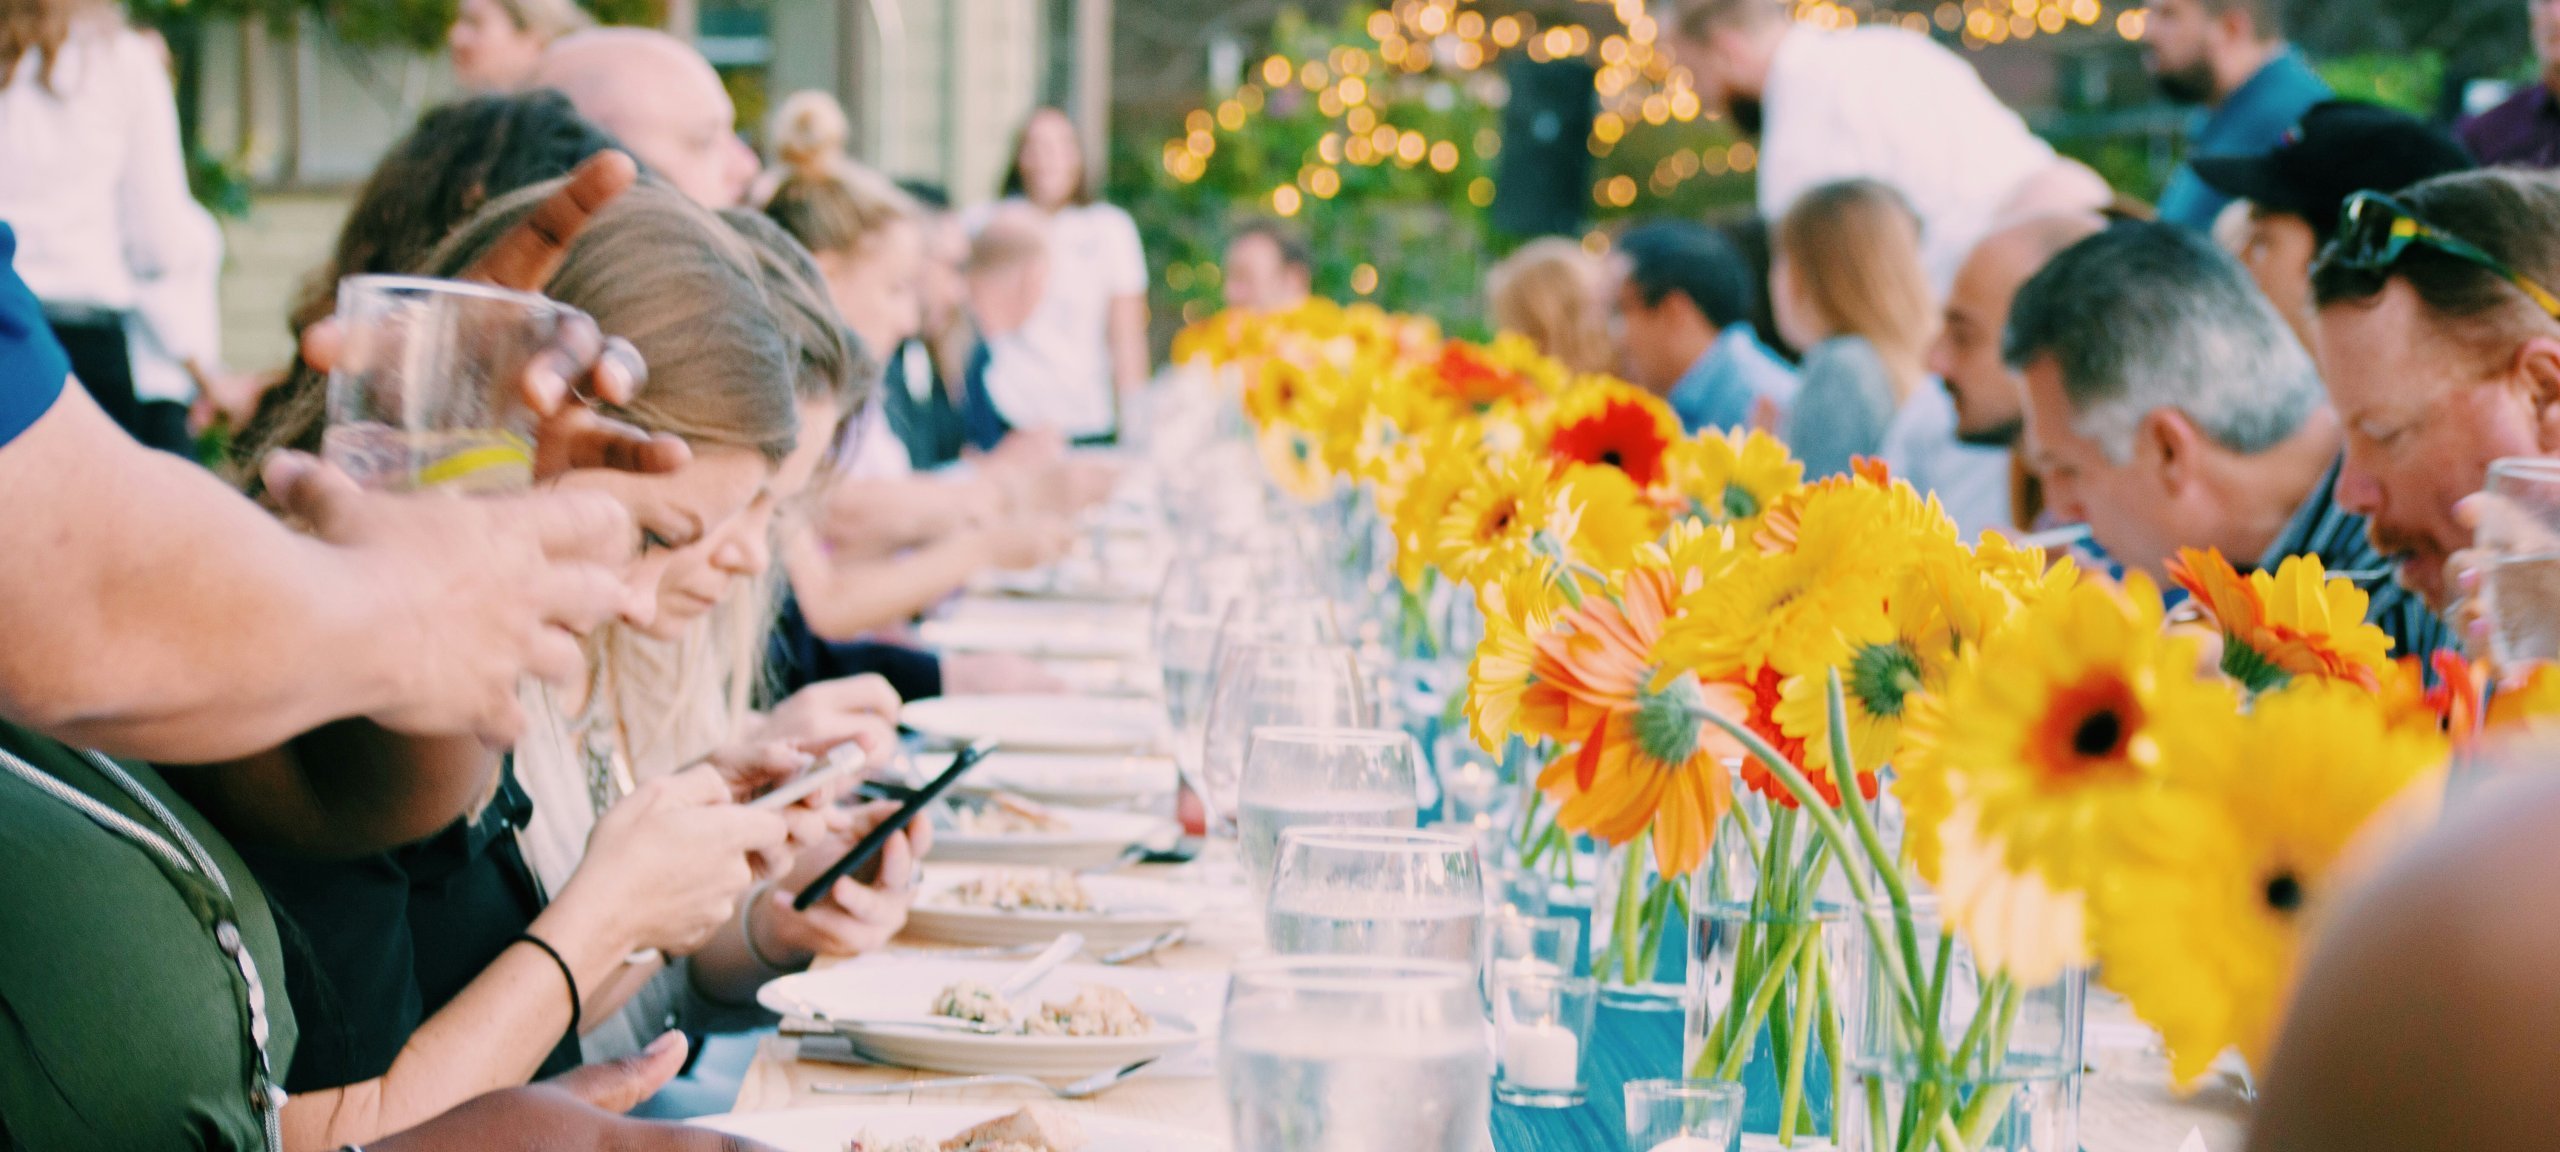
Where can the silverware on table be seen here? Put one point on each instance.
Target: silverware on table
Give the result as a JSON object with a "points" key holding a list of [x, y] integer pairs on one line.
{"points": [[1145, 948]]}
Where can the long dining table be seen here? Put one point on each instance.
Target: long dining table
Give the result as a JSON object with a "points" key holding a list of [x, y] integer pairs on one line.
{"points": [[2127, 1103]]}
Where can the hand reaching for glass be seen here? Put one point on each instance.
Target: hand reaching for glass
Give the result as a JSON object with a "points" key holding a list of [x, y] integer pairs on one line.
{"points": [[2509, 580]]}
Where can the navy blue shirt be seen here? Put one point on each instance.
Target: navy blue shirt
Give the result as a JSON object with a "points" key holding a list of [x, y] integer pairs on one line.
{"points": [[32, 364], [2251, 122], [2321, 528]]}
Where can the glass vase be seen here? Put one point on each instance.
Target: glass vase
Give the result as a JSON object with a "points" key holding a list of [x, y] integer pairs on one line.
{"points": [[1997, 1070], [1638, 920], [1770, 948]]}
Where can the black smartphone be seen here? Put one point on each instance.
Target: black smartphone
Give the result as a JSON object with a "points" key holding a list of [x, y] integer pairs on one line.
{"points": [[867, 852]]}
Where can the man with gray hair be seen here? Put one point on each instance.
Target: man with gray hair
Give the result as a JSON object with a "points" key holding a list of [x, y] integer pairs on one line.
{"points": [[2169, 407]]}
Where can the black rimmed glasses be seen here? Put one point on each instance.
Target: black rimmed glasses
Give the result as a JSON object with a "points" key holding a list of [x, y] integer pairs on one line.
{"points": [[2379, 231]]}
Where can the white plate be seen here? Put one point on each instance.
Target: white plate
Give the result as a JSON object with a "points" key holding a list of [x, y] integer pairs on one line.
{"points": [[1127, 910], [1072, 580], [1039, 723], [889, 987], [830, 1129], [1091, 839], [1045, 614], [1105, 676], [1064, 777], [1035, 637]]}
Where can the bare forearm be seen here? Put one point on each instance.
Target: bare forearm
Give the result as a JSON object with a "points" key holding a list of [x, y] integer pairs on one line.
{"points": [[494, 1035], [845, 600], [881, 516], [725, 971], [345, 789], [154, 612]]}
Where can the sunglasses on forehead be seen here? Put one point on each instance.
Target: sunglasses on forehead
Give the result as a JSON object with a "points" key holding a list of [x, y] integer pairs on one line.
{"points": [[2379, 231]]}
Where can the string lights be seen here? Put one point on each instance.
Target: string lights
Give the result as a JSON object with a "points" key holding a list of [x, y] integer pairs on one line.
{"points": [[1637, 81]]}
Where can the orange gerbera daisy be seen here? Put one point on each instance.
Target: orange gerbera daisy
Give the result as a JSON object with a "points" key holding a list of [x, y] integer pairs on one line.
{"points": [[1626, 428], [1472, 377], [2294, 622], [1648, 758]]}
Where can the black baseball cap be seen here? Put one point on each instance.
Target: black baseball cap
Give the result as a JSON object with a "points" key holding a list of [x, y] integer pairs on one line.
{"points": [[2340, 148]]}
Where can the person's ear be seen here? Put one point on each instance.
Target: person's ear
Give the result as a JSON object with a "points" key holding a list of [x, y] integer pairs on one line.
{"points": [[2170, 447], [2537, 374]]}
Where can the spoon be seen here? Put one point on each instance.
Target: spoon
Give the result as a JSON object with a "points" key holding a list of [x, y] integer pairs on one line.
{"points": [[1059, 951]]}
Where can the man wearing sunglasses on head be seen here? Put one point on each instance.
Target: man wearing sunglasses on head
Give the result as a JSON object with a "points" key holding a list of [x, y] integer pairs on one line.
{"points": [[2440, 341]]}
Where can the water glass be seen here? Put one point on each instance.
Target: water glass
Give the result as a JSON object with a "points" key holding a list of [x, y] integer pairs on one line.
{"points": [[1377, 892], [2519, 537], [1355, 1054], [427, 392], [1682, 1115], [1261, 685], [1341, 777], [1542, 1029]]}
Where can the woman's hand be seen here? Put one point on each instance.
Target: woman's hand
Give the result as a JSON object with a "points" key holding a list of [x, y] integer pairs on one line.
{"points": [[665, 868], [862, 709], [854, 918]]}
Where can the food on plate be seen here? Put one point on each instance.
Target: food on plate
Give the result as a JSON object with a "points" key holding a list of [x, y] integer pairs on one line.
{"points": [[1023, 890], [1003, 815], [1096, 1010], [1034, 1128], [1031, 1128], [973, 1002]]}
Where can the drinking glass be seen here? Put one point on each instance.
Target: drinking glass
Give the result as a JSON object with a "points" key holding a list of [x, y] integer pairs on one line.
{"points": [[1542, 1029], [1261, 685], [427, 392], [1355, 1054], [2519, 538], [1296, 776], [1377, 892], [1682, 1115]]}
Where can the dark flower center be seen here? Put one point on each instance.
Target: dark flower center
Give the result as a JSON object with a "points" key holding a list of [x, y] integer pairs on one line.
{"points": [[2284, 893], [1739, 504], [1883, 675], [1612, 459], [2098, 735]]}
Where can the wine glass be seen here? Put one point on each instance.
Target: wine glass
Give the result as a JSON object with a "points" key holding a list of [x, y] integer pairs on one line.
{"points": [[1265, 684], [1344, 777], [1377, 892], [1326, 1053]]}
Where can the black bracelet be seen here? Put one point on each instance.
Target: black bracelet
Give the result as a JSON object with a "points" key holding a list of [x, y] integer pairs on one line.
{"points": [[576, 1015]]}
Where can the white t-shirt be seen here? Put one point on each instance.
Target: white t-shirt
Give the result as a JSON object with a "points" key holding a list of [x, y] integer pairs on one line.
{"points": [[871, 448], [92, 179], [1971, 482], [1895, 106], [1056, 371]]}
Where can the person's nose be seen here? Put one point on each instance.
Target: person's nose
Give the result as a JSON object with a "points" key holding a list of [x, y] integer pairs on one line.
{"points": [[2358, 489]]}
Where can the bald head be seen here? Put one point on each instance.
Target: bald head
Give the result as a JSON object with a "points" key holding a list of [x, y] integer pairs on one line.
{"points": [[1967, 356], [658, 96]]}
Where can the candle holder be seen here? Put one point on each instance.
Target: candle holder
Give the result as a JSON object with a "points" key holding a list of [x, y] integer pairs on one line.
{"points": [[1533, 945], [1542, 1026], [1683, 1115]]}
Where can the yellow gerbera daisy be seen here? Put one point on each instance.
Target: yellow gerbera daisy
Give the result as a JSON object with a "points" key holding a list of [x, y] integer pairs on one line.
{"points": [[1731, 477], [2064, 728], [2295, 622], [1518, 608], [2015, 920], [1601, 517], [1494, 519], [1895, 648], [2203, 939]]}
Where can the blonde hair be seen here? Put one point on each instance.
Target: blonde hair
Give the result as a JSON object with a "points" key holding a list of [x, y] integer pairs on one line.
{"points": [[823, 197], [547, 20], [1548, 292], [1854, 247]]}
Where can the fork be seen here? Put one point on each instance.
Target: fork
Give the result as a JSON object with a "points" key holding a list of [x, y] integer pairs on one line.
{"points": [[1089, 1086]]}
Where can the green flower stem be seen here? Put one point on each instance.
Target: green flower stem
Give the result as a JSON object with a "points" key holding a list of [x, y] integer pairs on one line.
{"points": [[1801, 1031], [1529, 819], [1991, 1101], [1844, 773], [1622, 921], [1758, 1012], [1829, 823], [1834, 1052]]}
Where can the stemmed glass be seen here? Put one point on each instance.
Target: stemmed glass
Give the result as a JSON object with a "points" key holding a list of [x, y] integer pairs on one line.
{"points": [[1343, 777], [2518, 542], [1377, 892], [1267, 684], [1355, 1053]]}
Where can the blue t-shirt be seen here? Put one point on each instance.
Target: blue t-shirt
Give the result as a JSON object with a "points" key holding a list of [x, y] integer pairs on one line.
{"points": [[2251, 122], [32, 363]]}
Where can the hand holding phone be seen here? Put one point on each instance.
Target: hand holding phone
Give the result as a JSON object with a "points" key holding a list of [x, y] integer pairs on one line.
{"points": [[867, 851]]}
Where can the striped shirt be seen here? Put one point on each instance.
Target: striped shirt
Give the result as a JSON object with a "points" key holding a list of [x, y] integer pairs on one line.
{"points": [[2321, 528]]}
